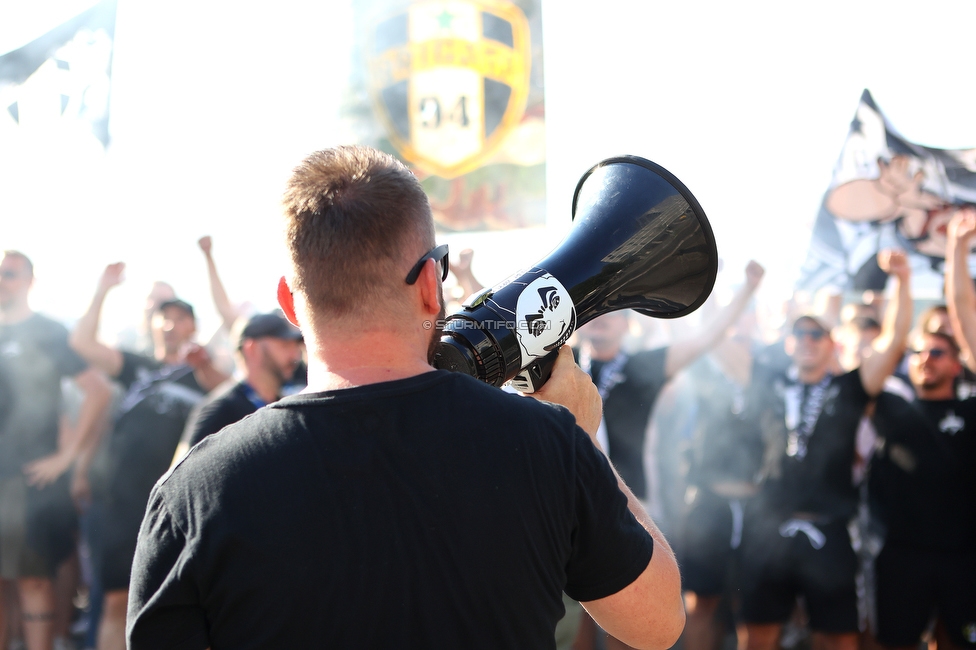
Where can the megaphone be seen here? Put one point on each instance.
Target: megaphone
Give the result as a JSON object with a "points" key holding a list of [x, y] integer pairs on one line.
{"points": [[639, 241]]}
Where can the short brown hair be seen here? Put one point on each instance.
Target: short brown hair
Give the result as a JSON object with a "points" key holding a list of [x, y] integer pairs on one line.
{"points": [[927, 317], [355, 219], [942, 336]]}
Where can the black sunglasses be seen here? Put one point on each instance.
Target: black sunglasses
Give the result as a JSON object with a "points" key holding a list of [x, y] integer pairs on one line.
{"points": [[814, 335], [935, 353], [438, 254]]}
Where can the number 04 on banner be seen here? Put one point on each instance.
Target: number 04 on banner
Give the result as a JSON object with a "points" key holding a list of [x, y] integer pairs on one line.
{"points": [[450, 80]]}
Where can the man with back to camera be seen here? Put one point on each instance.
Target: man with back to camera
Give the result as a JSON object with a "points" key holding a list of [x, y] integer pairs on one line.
{"points": [[159, 393], [37, 517], [268, 352], [795, 539], [392, 505]]}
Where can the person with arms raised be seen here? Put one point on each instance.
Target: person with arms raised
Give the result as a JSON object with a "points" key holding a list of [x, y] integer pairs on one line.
{"points": [[795, 539], [159, 393]]}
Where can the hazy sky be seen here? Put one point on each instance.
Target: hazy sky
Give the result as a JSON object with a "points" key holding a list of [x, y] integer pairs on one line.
{"points": [[213, 102]]}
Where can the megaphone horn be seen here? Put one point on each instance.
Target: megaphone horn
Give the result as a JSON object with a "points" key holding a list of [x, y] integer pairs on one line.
{"points": [[639, 240]]}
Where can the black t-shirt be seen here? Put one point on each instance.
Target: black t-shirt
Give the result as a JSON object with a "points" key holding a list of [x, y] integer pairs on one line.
{"points": [[6, 394], [727, 442], [811, 474], [149, 421], [627, 409], [36, 356], [921, 479], [430, 512], [773, 359], [223, 408]]}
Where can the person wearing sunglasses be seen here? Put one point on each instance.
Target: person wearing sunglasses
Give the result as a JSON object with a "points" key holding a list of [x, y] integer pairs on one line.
{"points": [[795, 539], [392, 505], [38, 521], [922, 483]]}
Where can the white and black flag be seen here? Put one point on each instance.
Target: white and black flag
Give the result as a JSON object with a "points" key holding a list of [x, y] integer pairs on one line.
{"points": [[60, 79], [886, 192]]}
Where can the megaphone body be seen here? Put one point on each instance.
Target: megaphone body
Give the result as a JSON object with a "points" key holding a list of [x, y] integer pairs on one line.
{"points": [[639, 240]]}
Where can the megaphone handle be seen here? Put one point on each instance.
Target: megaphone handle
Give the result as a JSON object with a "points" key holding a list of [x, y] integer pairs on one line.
{"points": [[536, 374]]}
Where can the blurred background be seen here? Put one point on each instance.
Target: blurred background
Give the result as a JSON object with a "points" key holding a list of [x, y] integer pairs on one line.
{"points": [[152, 124]]}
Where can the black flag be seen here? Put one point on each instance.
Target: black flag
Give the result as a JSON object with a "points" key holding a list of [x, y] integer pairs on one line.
{"points": [[886, 192]]}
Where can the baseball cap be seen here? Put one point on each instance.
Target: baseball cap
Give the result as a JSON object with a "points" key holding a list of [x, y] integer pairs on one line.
{"points": [[816, 319], [273, 325], [176, 302]]}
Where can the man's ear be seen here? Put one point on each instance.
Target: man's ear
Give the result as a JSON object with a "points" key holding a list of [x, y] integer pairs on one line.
{"points": [[960, 366], [789, 345], [287, 301], [430, 287], [247, 346]]}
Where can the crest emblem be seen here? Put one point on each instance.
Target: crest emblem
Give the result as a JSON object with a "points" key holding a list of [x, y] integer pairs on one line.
{"points": [[450, 79]]}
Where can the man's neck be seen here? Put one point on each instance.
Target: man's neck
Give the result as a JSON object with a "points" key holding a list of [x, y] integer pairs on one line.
{"points": [[267, 387], [938, 393], [14, 314], [812, 375], [603, 351], [168, 357], [363, 358]]}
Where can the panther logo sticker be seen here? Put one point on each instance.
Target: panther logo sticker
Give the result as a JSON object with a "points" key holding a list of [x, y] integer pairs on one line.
{"points": [[544, 317]]}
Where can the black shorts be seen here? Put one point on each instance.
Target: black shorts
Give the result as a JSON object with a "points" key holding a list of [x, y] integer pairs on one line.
{"points": [[780, 560], [38, 527], [707, 546], [913, 585], [112, 533]]}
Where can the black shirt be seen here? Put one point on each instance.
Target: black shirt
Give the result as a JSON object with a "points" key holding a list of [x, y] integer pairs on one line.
{"points": [[626, 410], [6, 394], [727, 442], [149, 421], [226, 406], [36, 356], [817, 480], [921, 479], [430, 512]]}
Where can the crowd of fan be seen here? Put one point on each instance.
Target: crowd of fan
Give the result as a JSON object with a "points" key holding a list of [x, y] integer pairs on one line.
{"points": [[812, 476]]}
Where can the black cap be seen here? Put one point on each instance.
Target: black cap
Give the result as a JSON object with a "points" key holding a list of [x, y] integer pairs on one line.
{"points": [[273, 325], [176, 302], [862, 323]]}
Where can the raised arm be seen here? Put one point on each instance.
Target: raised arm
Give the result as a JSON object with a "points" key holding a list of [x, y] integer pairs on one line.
{"points": [[889, 347], [461, 268], [684, 352], [959, 288], [228, 314], [84, 337]]}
